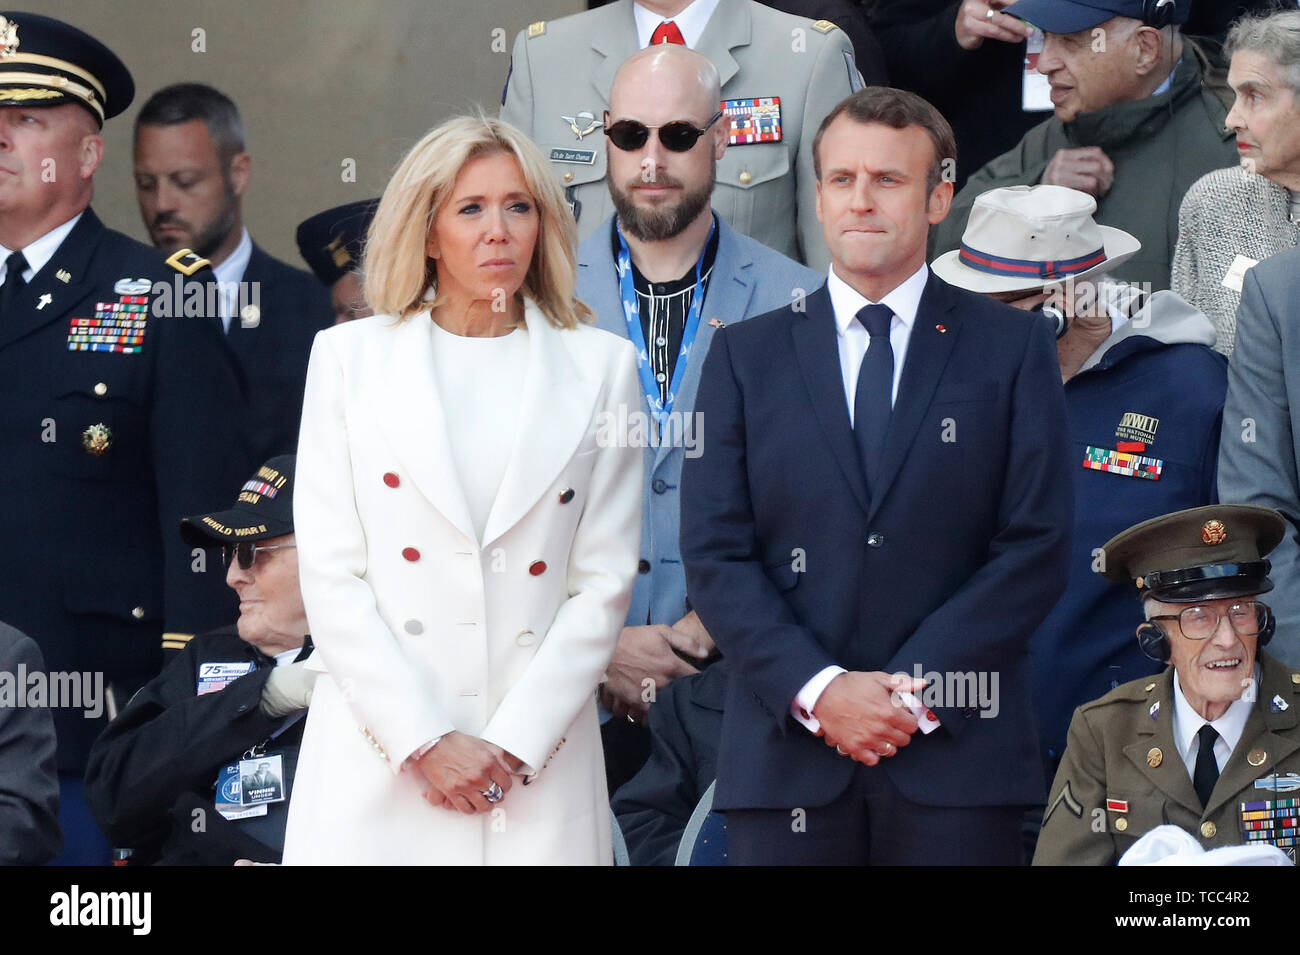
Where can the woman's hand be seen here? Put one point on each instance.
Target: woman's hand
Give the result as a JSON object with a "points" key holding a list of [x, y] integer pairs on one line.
{"points": [[461, 768]]}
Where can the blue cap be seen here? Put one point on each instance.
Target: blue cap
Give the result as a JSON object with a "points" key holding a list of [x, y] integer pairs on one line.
{"points": [[1071, 16]]}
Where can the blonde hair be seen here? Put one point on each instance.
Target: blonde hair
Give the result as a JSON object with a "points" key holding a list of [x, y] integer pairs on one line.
{"points": [[396, 265]]}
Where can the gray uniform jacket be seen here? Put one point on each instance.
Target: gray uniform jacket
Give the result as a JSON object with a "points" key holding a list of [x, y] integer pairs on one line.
{"points": [[1258, 458], [747, 280], [558, 88]]}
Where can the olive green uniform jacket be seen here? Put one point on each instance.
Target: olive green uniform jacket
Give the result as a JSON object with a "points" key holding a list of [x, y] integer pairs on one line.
{"points": [[1159, 145], [1121, 754]]}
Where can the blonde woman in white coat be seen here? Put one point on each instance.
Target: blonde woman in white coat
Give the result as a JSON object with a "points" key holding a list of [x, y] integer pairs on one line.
{"points": [[468, 528]]}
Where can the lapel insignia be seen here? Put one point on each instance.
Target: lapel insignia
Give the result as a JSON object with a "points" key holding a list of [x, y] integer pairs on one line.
{"points": [[1279, 783], [754, 119], [1278, 704], [250, 316], [97, 439], [1271, 821], [46, 299], [717, 323], [1256, 757], [1155, 709], [942, 329], [1138, 429], [63, 275], [132, 287], [1121, 462], [1155, 757], [583, 123]]}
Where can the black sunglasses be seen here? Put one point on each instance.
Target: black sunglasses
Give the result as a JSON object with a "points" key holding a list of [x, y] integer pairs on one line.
{"points": [[246, 552], [678, 136]]}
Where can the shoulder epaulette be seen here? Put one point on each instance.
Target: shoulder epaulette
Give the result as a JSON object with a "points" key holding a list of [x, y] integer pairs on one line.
{"points": [[536, 29], [823, 26]]}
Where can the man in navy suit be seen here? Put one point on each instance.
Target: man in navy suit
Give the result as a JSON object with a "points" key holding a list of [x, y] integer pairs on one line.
{"points": [[872, 534], [191, 173]]}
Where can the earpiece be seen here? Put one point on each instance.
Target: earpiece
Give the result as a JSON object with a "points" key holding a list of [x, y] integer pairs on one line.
{"points": [[1158, 13], [1153, 642]]}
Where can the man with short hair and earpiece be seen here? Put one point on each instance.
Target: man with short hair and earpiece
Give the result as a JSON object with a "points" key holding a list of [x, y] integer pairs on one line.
{"points": [[1212, 744]]}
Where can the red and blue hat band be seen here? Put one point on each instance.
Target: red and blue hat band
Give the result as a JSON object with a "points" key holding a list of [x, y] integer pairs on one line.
{"points": [[1026, 268]]}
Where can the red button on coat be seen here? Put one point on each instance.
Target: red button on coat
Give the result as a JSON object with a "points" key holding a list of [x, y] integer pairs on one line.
{"points": [[391, 479], [537, 568], [410, 553]]}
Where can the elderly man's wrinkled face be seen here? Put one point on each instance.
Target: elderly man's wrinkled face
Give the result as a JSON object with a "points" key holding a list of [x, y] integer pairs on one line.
{"points": [[1091, 69], [1265, 117], [1220, 668], [271, 612]]}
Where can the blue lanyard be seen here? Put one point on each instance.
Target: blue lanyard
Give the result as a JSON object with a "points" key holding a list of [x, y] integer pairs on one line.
{"points": [[632, 315]]}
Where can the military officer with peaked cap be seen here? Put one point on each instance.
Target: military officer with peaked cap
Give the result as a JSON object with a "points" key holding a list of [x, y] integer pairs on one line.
{"points": [[1212, 744], [781, 75], [123, 408]]}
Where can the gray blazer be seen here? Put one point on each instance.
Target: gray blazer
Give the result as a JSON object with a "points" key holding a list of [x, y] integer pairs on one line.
{"points": [[29, 782], [1258, 457], [748, 279], [768, 191]]}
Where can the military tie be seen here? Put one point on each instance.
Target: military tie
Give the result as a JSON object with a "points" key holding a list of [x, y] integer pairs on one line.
{"points": [[1206, 773], [872, 402], [667, 32], [14, 283]]}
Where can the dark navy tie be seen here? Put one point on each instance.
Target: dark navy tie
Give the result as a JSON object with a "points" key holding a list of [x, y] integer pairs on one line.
{"points": [[13, 284], [1206, 773], [872, 402]]}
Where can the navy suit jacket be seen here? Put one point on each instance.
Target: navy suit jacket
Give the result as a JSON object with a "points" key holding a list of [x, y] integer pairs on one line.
{"points": [[950, 565], [273, 353]]}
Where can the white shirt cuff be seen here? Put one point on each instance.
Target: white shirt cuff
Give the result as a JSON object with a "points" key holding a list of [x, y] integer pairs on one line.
{"points": [[802, 707]]}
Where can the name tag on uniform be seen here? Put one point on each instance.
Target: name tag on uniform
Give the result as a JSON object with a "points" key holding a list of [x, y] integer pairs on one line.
{"points": [[754, 119], [218, 676], [586, 157], [1235, 277]]}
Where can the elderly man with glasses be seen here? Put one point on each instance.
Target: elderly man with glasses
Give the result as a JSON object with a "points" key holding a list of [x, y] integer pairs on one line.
{"points": [[1211, 745], [164, 779]]}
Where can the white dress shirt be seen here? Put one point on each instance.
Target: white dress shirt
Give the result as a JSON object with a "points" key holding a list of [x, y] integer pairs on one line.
{"points": [[690, 21], [229, 274], [1229, 726], [853, 339], [39, 252]]}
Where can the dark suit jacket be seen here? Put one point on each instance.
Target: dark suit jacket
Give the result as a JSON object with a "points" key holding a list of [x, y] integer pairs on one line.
{"points": [[950, 566], [29, 784], [105, 572], [273, 354]]}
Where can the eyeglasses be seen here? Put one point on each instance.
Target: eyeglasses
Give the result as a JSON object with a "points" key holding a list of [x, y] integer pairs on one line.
{"points": [[678, 136], [1199, 623], [246, 552]]}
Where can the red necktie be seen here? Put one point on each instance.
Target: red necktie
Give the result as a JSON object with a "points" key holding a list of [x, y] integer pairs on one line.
{"points": [[667, 32]]}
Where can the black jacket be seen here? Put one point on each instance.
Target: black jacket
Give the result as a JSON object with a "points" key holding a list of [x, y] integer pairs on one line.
{"points": [[273, 354], [102, 571], [152, 772]]}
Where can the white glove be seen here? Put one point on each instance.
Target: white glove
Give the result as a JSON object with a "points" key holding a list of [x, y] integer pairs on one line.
{"points": [[287, 689]]}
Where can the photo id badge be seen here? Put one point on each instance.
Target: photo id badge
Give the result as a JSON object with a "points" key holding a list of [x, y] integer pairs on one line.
{"points": [[1035, 91], [228, 791], [261, 780]]}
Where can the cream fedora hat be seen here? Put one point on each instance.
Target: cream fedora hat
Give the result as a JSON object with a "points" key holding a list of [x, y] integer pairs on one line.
{"points": [[1021, 238]]}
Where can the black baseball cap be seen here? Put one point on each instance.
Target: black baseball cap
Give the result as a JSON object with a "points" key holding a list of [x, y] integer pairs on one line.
{"points": [[263, 509]]}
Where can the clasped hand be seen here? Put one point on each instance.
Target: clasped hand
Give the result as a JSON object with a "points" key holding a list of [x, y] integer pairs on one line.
{"points": [[862, 715], [461, 768]]}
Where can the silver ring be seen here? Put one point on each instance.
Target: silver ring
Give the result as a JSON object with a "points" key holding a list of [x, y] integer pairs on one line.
{"points": [[889, 750], [990, 14], [631, 719], [840, 750], [493, 793]]}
